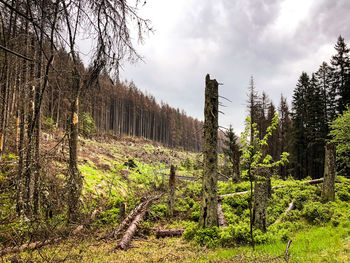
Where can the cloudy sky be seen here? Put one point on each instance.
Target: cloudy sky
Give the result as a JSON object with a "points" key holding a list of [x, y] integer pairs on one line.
{"points": [[272, 40]]}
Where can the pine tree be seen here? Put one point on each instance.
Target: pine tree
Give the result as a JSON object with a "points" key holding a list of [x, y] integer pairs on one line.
{"points": [[231, 150], [325, 81], [341, 72], [285, 137], [299, 126]]}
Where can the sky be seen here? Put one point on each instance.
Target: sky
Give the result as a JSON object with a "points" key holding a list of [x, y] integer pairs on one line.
{"points": [[232, 40]]}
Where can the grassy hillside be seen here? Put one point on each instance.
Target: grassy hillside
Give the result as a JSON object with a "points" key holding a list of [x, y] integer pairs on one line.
{"points": [[118, 171]]}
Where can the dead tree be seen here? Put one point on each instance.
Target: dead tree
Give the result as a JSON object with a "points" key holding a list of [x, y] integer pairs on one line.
{"points": [[329, 173], [262, 191], [130, 232], [208, 214], [171, 197]]}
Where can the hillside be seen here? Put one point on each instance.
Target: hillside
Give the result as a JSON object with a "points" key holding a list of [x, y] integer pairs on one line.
{"points": [[120, 171]]}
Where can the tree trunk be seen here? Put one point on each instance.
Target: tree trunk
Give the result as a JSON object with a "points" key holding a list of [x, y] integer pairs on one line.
{"points": [[329, 173], [208, 214], [261, 195], [75, 181], [130, 232], [171, 198]]}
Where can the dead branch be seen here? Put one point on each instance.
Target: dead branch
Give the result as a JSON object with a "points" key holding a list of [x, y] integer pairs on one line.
{"points": [[289, 208], [286, 252]]}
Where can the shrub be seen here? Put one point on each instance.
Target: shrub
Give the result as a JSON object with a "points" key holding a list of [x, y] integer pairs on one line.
{"points": [[159, 209], [190, 230], [207, 236], [302, 196], [86, 124], [109, 217], [316, 212]]}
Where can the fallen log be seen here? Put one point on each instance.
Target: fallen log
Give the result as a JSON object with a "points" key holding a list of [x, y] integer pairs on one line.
{"points": [[37, 244], [177, 232], [221, 217], [124, 224], [290, 207], [31, 246], [127, 237], [315, 181]]}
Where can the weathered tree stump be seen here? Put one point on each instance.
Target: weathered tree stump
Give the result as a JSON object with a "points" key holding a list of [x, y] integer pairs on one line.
{"points": [[171, 197], [208, 214], [329, 173], [261, 195]]}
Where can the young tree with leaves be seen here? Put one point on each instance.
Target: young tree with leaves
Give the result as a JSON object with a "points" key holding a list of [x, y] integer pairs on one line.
{"points": [[256, 167]]}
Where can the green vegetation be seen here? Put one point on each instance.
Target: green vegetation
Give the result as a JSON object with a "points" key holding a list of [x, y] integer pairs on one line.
{"points": [[110, 182]]}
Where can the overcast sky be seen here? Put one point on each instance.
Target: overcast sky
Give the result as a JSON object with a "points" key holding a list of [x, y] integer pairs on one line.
{"points": [[271, 40]]}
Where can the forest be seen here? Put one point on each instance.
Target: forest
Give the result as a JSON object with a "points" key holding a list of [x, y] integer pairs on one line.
{"points": [[93, 169]]}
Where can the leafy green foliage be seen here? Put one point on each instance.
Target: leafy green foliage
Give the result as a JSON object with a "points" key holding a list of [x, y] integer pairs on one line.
{"points": [[340, 132], [253, 153]]}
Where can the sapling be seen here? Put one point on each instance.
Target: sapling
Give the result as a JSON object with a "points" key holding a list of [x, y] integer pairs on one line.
{"points": [[254, 158]]}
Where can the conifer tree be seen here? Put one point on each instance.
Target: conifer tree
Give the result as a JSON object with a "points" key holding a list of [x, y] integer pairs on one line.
{"points": [[341, 73], [299, 126], [231, 150]]}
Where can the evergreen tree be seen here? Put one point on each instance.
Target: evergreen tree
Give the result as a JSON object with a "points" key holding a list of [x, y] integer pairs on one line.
{"points": [[341, 73], [285, 137], [326, 83], [231, 151], [299, 126]]}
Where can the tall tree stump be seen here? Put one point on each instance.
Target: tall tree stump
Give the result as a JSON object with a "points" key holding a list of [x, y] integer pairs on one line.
{"points": [[171, 197], [262, 191], [208, 214], [329, 173]]}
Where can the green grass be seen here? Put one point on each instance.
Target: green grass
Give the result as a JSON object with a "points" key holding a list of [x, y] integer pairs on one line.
{"points": [[318, 244]]}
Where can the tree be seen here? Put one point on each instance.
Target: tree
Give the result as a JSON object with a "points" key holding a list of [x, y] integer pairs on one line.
{"points": [[340, 134], [256, 163], [208, 213], [341, 73], [299, 126], [285, 124], [231, 151]]}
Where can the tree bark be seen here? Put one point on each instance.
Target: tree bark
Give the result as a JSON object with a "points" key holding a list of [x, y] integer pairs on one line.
{"points": [[130, 232], [261, 196], [171, 198], [329, 173], [208, 214]]}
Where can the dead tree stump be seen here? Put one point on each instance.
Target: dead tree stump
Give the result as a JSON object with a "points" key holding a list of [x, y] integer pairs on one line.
{"points": [[208, 214], [262, 191], [171, 197], [329, 173]]}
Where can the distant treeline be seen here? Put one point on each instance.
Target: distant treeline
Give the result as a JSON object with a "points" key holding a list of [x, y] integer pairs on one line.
{"points": [[117, 108], [304, 131]]}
